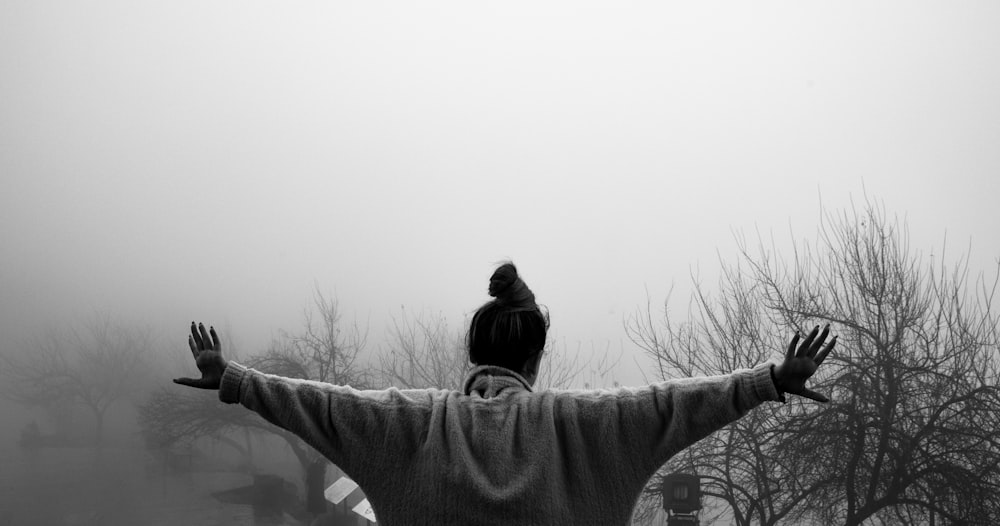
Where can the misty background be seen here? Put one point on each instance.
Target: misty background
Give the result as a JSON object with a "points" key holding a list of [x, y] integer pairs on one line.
{"points": [[220, 162]]}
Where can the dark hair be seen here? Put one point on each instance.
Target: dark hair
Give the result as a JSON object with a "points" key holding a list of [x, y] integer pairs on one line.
{"points": [[510, 329]]}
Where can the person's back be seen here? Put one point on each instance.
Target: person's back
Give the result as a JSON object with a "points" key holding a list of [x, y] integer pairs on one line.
{"points": [[498, 452], [511, 456]]}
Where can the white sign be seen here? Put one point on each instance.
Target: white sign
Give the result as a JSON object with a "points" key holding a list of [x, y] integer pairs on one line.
{"points": [[364, 508], [340, 489]]}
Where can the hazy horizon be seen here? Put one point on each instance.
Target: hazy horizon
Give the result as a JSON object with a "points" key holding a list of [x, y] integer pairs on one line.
{"points": [[217, 162]]}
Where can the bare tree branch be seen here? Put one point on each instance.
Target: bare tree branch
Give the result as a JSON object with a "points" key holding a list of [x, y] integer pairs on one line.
{"points": [[914, 382]]}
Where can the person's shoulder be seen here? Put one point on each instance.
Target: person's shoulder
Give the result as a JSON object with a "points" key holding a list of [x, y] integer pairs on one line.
{"points": [[394, 396], [587, 398]]}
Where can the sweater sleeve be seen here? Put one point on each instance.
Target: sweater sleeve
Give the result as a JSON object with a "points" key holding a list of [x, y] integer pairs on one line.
{"points": [[346, 425], [658, 421]]}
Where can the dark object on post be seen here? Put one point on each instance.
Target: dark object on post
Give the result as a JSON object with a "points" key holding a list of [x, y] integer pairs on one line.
{"points": [[681, 493], [681, 498]]}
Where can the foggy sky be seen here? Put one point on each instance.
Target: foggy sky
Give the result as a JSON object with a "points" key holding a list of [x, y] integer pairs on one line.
{"points": [[177, 161]]}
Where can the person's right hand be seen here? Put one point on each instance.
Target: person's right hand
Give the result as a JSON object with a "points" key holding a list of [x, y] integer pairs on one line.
{"points": [[207, 356], [799, 365]]}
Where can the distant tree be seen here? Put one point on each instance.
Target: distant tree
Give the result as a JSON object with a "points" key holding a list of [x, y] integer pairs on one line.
{"points": [[913, 432], [323, 350], [423, 352], [95, 366], [909, 436], [743, 465], [172, 419]]}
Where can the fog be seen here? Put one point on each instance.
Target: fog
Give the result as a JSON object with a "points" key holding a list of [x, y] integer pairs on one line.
{"points": [[163, 162]]}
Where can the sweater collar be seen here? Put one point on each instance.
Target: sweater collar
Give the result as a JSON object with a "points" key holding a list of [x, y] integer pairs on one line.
{"points": [[489, 381]]}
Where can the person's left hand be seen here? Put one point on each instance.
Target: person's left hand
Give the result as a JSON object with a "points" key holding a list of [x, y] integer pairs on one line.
{"points": [[799, 365], [207, 354]]}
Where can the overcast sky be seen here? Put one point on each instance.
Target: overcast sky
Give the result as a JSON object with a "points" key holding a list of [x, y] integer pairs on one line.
{"points": [[171, 161]]}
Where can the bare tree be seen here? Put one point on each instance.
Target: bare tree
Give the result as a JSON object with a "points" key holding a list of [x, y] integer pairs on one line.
{"points": [[423, 352], [563, 369], [95, 366], [913, 432], [324, 350], [742, 465], [910, 434], [171, 419]]}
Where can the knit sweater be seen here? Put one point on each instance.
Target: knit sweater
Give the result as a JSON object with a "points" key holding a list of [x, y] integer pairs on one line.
{"points": [[498, 452]]}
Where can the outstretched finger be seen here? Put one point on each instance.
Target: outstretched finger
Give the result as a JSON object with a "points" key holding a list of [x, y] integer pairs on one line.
{"points": [[190, 382], [216, 344], [804, 348], [790, 353], [817, 344], [820, 356], [205, 338], [194, 348], [197, 337], [813, 395]]}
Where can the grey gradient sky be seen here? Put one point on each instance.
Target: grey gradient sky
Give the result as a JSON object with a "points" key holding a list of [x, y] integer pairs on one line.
{"points": [[170, 161]]}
